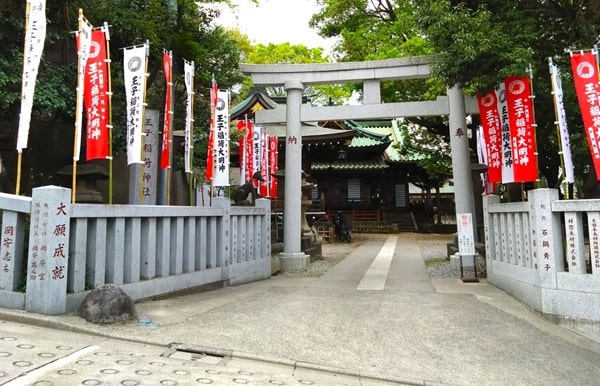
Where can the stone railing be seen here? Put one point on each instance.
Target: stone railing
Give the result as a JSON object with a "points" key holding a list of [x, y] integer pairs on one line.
{"points": [[146, 250], [546, 252]]}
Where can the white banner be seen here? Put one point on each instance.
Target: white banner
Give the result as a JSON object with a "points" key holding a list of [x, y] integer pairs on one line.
{"points": [[256, 149], [508, 174], [561, 116], [34, 46], [134, 72], [84, 36], [188, 70], [221, 145]]}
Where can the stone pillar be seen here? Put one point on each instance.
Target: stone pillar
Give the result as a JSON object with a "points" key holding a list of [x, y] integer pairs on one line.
{"points": [[546, 236], [265, 230], [461, 161], [223, 236], [48, 259], [292, 256]]}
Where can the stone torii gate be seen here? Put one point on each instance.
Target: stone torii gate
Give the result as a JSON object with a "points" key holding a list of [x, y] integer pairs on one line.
{"points": [[295, 77]]}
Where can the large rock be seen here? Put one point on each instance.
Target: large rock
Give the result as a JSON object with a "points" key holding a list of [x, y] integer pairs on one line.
{"points": [[107, 304]]}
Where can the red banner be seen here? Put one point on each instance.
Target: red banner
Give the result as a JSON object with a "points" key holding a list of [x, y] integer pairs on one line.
{"points": [[272, 166], [243, 127], [95, 98], [522, 133], [165, 155], [264, 164], [211, 136], [492, 131], [250, 152], [585, 76]]}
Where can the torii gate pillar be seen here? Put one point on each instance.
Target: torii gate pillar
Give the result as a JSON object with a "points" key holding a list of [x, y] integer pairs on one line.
{"points": [[292, 257], [461, 160]]}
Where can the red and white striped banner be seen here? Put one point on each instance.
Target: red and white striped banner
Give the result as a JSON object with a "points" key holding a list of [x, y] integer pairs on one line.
{"points": [[585, 77], [522, 132], [96, 98], [165, 155]]}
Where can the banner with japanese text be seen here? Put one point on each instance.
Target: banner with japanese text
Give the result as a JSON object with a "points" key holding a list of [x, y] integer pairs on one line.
{"points": [[561, 121], [273, 166], [522, 128], [508, 175], [243, 127], [165, 154], [221, 140], [188, 70], [263, 186], [96, 98], [256, 152], [585, 77], [134, 73], [35, 36], [492, 133], [210, 164], [84, 43], [249, 166]]}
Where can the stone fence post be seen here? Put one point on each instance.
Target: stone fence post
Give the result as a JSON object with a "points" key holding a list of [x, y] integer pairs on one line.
{"points": [[546, 236], [265, 237], [223, 236], [48, 256]]}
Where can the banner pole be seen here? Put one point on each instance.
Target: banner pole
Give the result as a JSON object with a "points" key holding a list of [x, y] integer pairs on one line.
{"points": [[110, 125], [556, 124], [20, 151], [191, 144], [143, 122], [77, 113], [170, 139]]}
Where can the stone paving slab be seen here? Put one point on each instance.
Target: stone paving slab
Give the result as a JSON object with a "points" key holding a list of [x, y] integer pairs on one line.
{"points": [[39, 356]]}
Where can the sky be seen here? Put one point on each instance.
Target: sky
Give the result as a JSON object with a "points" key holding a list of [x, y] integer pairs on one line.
{"points": [[276, 21]]}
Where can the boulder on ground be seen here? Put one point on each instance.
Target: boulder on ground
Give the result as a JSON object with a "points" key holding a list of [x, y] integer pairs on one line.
{"points": [[107, 304]]}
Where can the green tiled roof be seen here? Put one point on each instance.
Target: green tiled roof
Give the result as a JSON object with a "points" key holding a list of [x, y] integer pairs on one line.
{"points": [[252, 97], [349, 165]]}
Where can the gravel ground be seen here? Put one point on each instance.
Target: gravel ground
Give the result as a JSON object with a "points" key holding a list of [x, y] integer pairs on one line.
{"points": [[433, 250]]}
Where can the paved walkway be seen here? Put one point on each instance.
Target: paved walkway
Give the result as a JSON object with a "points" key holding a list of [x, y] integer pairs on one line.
{"points": [[376, 318]]}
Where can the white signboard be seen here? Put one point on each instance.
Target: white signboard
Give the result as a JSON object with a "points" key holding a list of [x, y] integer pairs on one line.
{"points": [[466, 239]]}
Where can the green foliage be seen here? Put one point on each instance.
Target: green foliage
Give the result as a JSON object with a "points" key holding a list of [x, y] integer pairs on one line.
{"points": [[287, 53], [430, 151], [186, 27]]}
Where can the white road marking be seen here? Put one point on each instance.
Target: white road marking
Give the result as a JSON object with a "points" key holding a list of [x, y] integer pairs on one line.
{"points": [[33, 375], [375, 277]]}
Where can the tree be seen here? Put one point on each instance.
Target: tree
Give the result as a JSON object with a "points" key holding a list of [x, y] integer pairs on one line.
{"points": [[479, 43], [184, 26], [287, 53], [372, 30], [484, 41]]}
